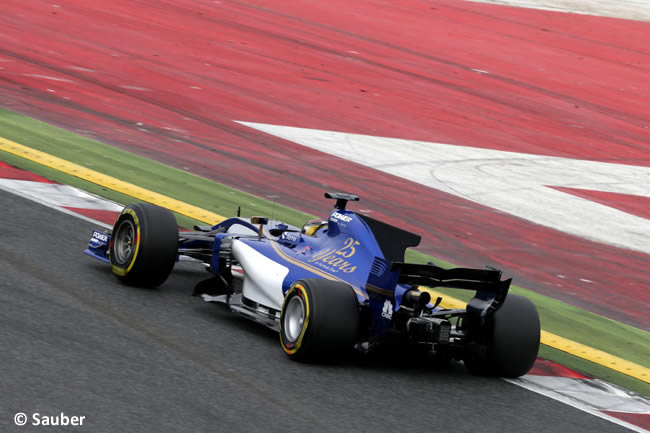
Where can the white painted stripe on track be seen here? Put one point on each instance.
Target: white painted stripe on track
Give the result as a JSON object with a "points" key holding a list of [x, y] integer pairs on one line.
{"points": [[595, 393], [76, 199], [533, 385], [47, 201], [511, 182], [59, 195]]}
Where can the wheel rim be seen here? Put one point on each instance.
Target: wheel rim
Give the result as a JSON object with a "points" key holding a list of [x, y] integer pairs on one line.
{"points": [[294, 318], [124, 242]]}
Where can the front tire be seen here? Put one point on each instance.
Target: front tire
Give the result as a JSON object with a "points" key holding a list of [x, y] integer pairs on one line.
{"points": [[144, 245], [511, 341], [319, 320]]}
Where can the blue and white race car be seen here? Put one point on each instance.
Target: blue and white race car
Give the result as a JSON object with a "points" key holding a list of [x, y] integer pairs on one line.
{"points": [[331, 286]]}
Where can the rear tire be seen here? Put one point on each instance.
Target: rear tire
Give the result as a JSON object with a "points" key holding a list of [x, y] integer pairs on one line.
{"points": [[319, 320], [144, 245], [511, 341]]}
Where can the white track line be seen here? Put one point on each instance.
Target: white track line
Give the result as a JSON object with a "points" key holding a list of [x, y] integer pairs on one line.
{"points": [[59, 195], [39, 194], [538, 385]]}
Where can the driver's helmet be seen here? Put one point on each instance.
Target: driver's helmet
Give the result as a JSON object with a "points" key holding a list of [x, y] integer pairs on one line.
{"points": [[312, 226]]}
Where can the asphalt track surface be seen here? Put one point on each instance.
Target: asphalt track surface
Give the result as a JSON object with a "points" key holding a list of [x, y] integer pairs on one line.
{"points": [[167, 80], [76, 341]]}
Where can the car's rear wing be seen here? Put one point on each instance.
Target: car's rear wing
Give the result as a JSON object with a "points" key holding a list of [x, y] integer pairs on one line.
{"points": [[458, 278], [491, 290]]}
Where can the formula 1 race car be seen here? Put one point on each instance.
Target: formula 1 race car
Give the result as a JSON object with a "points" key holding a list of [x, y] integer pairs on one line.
{"points": [[330, 286]]}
